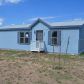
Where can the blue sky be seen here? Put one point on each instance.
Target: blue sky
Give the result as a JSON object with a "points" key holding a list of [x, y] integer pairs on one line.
{"points": [[26, 11]]}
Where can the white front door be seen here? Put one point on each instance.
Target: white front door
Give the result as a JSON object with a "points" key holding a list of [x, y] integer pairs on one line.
{"points": [[38, 45], [39, 35]]}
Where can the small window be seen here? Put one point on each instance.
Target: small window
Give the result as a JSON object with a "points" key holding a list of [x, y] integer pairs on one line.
{"points": [[54, 38], [21, 34], [24, 37], [21, 40]]}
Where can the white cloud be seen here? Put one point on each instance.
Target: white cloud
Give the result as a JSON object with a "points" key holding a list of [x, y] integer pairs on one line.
{"points": [[10, 1], [13, 1], [1, 1], [44, 18], [1, 21], [77, 19]]}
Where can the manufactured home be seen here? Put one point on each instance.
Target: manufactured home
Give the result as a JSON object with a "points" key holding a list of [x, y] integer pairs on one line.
{"points": [[57, 37]]}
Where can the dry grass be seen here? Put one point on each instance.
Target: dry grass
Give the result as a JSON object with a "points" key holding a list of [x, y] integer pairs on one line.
{"points": [[22, 67]]}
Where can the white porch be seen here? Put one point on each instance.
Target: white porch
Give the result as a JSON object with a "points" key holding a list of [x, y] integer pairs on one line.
{"points": [[37, 46]]}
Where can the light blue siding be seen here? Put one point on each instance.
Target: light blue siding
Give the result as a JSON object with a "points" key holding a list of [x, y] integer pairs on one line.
{"points": [[73, 42], [73, 37], [81, 40], [65, 33], [45, 29], [9, 40]]}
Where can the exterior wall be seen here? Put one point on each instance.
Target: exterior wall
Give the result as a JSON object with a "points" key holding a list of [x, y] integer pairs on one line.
{"points": [[73, 36], [45, 29], [81, 40], [65, 33], [9, 40]]}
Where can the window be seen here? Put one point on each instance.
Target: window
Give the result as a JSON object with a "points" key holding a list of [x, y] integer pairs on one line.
{"points": [[54, 38], [24, 38]]}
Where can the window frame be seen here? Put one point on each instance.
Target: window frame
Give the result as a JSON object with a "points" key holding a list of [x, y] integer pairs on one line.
{"points": [[24, 42], [52, 43]]}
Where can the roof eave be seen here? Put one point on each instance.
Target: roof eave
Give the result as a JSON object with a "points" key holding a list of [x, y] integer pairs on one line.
{"points": [[41, 21], [68, 26]]}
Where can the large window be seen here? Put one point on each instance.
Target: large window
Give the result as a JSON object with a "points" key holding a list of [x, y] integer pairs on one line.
{"points": [[54, 38], [24, 38]]}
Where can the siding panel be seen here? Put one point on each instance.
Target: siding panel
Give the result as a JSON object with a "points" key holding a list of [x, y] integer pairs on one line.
{"points": [[9, 40]]}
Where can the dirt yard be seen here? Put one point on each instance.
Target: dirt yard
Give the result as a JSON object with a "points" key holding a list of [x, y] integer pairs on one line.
{"points": [[22, 67]]}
